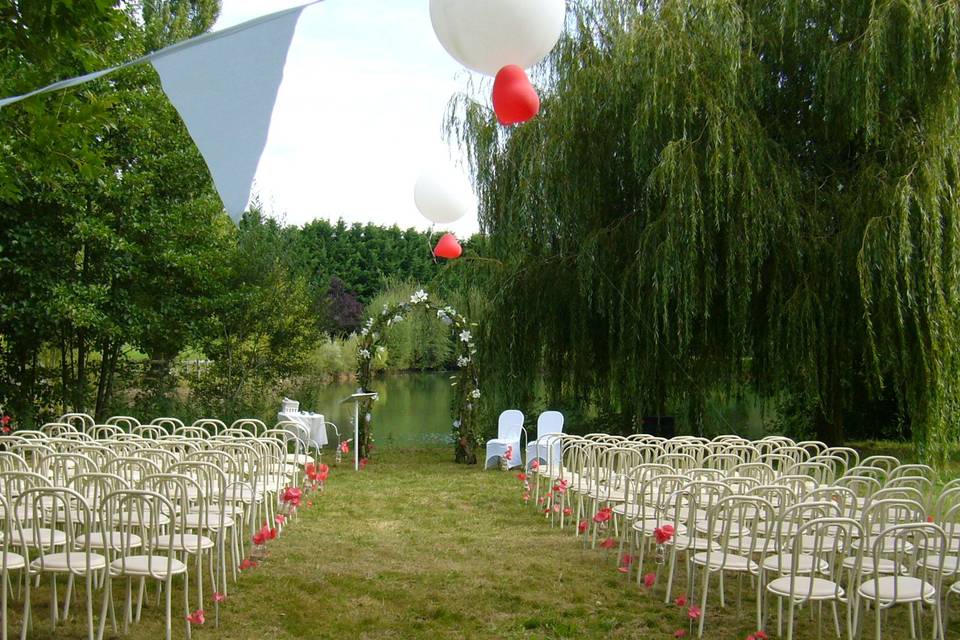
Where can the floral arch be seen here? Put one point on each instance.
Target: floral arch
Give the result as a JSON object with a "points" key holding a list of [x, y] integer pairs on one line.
{"points": [[466, 386]]}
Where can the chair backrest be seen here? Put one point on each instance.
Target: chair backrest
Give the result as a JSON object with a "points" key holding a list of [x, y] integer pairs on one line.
{"points": [[509, 424], [821, 543], [127, 423], [256, 427], [903, 544], [137, 517], [168, 424], [548, 422], [103, 431]]}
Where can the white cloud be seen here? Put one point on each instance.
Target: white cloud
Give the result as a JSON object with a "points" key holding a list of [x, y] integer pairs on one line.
{"points": [[359, 112]]}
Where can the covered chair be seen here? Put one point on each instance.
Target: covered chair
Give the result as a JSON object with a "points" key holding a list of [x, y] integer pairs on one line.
{"points": [[507, 443], [548, 422]]}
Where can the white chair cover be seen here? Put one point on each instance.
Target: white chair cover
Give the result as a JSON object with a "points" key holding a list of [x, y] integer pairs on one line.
{"points": [[509, 426], [548, 422]]}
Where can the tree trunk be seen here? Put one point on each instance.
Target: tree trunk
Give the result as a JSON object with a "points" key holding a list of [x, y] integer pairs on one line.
{"points": [[465, 453], [105, 353]]}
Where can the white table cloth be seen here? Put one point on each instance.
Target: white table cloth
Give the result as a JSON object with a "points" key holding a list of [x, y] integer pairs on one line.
{"points": [[314, 422]]}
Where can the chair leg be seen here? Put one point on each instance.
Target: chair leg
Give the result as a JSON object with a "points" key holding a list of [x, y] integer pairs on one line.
{"points": [[26, 611], [89, 577], [876, 622], [790, 607], [169, 607], [105, 605], [66, 602]]}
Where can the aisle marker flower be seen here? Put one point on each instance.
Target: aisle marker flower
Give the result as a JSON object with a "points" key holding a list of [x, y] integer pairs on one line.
{"points": [[664, 534], [197, 617]]}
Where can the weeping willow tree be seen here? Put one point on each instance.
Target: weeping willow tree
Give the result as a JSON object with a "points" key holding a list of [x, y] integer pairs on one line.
{"points": [[727, 191]]}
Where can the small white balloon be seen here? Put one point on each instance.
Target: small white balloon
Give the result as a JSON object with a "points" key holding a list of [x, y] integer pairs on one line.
{"points": [[443, 195], [487, 35]]}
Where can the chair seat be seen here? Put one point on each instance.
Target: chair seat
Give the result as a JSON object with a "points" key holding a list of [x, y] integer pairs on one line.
{"points": [[114, 538], [627, 510], [783, 563], [74, 562], [684, 542], [46, 537], [299, 459], [137, 519], [14, 561], [805, 587], [154, 566], [648, 525], [213, 521], [897, 589], [189, 542], [746, 544], [866, 565], [716, 560], [932, 561]]}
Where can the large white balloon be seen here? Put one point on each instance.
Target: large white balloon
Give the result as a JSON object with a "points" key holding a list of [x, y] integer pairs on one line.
{"points": [[487, 35], [443, 195]]}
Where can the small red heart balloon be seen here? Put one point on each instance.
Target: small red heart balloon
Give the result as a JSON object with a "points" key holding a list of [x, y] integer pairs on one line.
{"points": [[514, 98], [448, 247]]}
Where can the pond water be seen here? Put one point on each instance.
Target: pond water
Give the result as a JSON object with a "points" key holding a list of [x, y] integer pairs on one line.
{"points": [[413, 409]]}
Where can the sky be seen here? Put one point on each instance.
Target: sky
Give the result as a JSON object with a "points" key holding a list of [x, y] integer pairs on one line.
{"points": [[359, 113]]}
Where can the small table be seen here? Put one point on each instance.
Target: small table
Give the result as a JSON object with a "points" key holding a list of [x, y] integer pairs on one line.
{"points": [[314, 422]]}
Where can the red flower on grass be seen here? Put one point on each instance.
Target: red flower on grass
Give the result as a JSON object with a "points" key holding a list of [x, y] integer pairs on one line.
{"points": [[693, 612], [219, 597], [345, 447], [604, 515], [567, 511], [197, 617], [625, 564], [535, 465], [681, 600], [582, 527], [292, 496], [363, 463], [279, 518], [609, 543], [522, 477], [649, 580], [680, 633], [247, 563]]}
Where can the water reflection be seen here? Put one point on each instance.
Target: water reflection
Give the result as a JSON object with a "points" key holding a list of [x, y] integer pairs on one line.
{"points": [[413, 409]]}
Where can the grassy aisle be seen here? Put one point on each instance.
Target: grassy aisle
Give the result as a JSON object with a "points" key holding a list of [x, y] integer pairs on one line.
{"points": [[418, 547]]}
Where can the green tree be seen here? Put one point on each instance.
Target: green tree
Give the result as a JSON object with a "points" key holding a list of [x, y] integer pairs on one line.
{"points": [[729, 191]]}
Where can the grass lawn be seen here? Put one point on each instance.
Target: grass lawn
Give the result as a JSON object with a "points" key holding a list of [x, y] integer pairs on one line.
{"points": [[419, 547]]}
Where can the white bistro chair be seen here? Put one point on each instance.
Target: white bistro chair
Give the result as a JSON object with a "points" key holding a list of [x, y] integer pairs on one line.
{"points": [[548, 423], [509, 428]]}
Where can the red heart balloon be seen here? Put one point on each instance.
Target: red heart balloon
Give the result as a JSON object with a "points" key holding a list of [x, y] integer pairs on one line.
{"points": [[448, 247], [514, 98]]}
